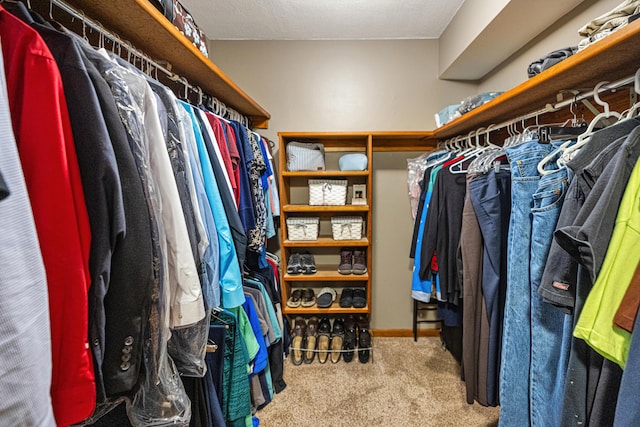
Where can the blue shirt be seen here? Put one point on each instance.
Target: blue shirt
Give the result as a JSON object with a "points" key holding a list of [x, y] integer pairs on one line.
{"points": [[229, 269], [210, 258], [260, 361], [421, 289]]}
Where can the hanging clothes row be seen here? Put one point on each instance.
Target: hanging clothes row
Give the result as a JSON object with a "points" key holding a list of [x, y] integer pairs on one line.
{"points": [[131, 216], [536, 254]]}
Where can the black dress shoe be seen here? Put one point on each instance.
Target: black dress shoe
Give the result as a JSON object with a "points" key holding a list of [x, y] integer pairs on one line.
{"points": [[364, 340], [349, 344]]}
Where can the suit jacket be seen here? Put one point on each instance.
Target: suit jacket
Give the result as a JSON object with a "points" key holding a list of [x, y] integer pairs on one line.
{"points": [[127, 302]]}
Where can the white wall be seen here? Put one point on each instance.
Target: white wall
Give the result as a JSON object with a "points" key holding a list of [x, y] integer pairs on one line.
{"points": [[341, 85]]}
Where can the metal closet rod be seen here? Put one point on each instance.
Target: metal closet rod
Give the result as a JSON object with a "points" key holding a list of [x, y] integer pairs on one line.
{"points": [[549, 108], [219, 107]]}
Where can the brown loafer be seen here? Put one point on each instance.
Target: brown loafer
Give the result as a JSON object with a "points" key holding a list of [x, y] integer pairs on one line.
{"points": [[311, 338], [337, 339], [297, 340], [324, 339]]}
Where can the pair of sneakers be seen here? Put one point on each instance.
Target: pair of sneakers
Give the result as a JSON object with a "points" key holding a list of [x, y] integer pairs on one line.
{"points": [[301, 263], [352, 261]]}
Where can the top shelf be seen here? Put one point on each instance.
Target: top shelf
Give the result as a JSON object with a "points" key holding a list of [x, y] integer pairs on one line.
{"points": [[611, 58], [146, 28]]}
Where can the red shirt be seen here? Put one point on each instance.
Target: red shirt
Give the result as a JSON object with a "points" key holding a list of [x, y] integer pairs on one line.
{"points": [[216, 125], [41, 125], [235, 157]]}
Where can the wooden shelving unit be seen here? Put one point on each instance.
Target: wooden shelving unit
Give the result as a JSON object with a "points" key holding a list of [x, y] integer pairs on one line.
{"points": [[294, 202], [139, 22]]}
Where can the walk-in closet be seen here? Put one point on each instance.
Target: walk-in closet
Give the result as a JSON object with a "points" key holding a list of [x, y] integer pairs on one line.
{"points": [[341, 213]]}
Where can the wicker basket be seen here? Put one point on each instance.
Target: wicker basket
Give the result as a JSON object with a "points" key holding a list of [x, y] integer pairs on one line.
{"points": [[327, 192], [347, 227], [304, 228]]}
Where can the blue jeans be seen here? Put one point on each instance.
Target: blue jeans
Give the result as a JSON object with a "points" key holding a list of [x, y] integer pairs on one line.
{"points": [[549, 357], [491, 198], [516, 334]]}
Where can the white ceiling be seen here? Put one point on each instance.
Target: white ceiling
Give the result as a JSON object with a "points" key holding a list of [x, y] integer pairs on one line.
{"points": [[322, 19]]}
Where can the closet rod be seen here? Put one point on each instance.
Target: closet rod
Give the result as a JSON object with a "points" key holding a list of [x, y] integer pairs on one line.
{"points": [[218, 106], [549, 108]]}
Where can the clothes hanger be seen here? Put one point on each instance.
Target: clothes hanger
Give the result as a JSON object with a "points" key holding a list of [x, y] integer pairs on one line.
{"points": [[567, 147], [476, 151], [212, 347], [584, 137], [633, 110], [568, 129], [216, 310], [483, 163]]}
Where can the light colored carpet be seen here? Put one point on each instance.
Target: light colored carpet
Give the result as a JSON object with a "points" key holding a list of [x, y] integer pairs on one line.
{"points": [[408, 384]]}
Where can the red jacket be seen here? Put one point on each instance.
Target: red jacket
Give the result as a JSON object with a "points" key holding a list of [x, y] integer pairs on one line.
{"points": [[43, 134]]}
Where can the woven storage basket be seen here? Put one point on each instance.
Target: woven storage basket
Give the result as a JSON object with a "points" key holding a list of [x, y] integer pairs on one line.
{"points": [[347, 227], [304, 228], [327, 192]]}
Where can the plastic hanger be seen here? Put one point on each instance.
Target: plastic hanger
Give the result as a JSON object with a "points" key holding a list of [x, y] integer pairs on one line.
{"points": [[566, 147], [492, 151], [632, 111], [465, 155], [584, 137]]}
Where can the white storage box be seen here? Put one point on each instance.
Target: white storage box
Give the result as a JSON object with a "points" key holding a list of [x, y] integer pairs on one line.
{"points": [[303, 228], [347, 227], [327, 192]]}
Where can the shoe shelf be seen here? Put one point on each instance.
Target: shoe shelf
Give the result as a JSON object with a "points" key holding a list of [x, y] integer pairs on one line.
{"points": [[326, 273], [324, 174], [325, 242], [335, 309], [294, 203], [318, 209]]}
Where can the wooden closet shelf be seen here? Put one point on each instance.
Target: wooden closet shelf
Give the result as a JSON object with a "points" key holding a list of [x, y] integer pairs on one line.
{"points": [[325, 242], [611, 58], [333, 310], [139, 22], [324, 174], [308, 208], [326, 273], [403, 141]]}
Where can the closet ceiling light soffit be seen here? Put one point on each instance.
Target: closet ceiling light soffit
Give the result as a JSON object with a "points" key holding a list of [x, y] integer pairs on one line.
{"points": [[323, 20]]}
